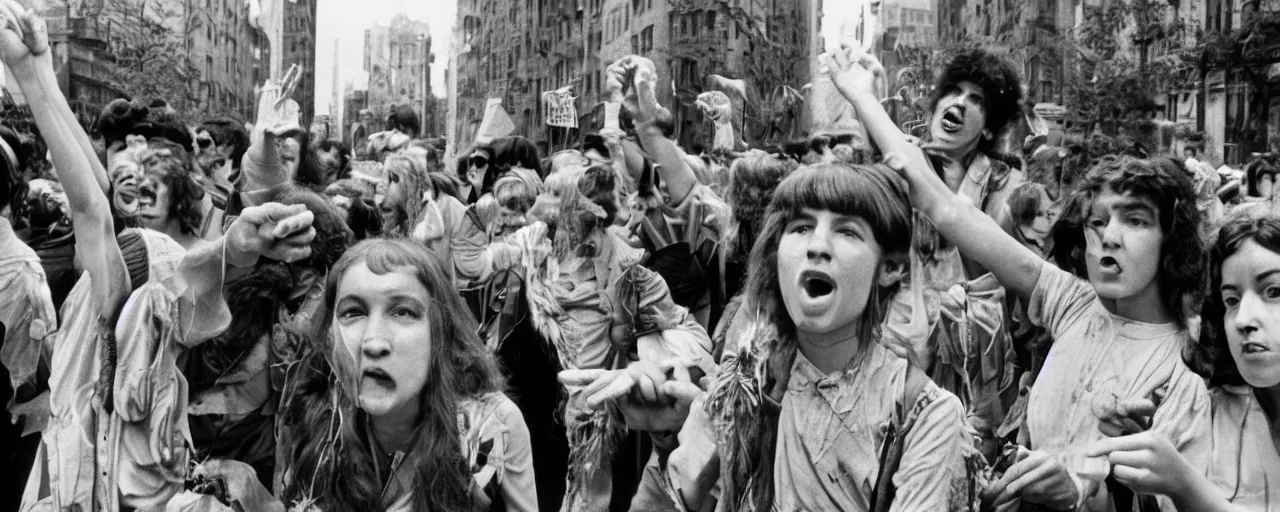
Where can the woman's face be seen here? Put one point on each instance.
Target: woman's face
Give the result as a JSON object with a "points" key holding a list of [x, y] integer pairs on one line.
{"points": [[827, 264], [1251, 292], [329, 160], [290, 154], [153, 201], [1038, 228], [394, 195], [514, 202], [384, 322], [126, 176], [1122, 245]]}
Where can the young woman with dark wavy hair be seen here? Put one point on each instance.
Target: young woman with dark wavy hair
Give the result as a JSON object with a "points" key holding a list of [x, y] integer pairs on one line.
{"points": [[1237, 353], [405, 411]]}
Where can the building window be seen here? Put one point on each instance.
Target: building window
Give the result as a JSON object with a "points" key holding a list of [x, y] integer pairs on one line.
{"points": [[646, 40], [711, 21], [635, 44]]}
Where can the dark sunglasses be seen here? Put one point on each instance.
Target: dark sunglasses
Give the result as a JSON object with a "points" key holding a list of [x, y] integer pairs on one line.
{"points": [[479, 163], [205, 143]]}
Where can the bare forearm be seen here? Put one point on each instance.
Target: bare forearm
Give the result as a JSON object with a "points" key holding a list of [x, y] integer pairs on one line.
{"points": [[49, 81], [85, 194], [674, 170], [1199, 494]]}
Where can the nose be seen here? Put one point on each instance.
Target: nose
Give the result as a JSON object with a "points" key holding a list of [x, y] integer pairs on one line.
{"points": [[1249, 313], [819, 246], [1111, 234], [377, 341]]}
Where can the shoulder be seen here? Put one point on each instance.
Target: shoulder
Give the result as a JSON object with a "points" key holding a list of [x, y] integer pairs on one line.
{"points": [[492, 407]]}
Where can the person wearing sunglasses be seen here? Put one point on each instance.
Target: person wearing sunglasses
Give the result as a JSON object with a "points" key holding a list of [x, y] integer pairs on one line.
{"points": [[473, 176]]}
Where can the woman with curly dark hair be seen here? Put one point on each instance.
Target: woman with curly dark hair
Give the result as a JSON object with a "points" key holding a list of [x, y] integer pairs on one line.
{"points": [[1237, 354], [405, 411], [169, 195]]}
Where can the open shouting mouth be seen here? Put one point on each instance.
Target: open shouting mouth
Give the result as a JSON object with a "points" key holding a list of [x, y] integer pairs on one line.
{"points": [[953, 119]]}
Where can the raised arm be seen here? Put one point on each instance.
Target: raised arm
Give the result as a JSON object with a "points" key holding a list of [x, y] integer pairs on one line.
{"points": [[28, 56], [976, 234], [277, 117], [646, 112]]}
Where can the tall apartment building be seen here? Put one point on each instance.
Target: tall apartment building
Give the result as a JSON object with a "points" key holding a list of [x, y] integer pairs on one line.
{"points": [[299, 47], [518, 49], [228, 55], [398, 59]]}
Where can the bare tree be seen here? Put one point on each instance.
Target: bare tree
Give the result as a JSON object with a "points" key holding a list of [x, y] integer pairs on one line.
{"points": [[150, 53]]}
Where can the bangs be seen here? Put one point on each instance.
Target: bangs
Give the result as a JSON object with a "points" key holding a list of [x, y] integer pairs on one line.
{"points": [[1168, 188], [874, 193]]}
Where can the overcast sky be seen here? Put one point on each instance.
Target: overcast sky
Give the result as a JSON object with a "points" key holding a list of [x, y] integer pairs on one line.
{"points": [[346, 20]]}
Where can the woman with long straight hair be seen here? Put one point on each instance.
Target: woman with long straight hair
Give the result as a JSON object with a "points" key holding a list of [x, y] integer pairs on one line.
{"points": [[373, 430]]}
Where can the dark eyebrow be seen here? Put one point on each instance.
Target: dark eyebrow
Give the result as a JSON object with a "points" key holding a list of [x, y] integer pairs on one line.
{"points": [[1267, 275], [1136, 205], [351, 298], [403, 297]]}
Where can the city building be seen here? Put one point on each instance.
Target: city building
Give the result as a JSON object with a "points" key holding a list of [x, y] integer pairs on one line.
{"points": [[226, 55], [299, 47], [398, 59], [518, 49]]}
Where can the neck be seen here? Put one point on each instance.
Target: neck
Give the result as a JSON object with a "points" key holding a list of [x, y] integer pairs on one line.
{"points": [[955, 165], [394, 430], [1146, 307], [833, 351], [174, 231]]}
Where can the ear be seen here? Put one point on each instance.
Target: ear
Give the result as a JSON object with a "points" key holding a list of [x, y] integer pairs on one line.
{"points": [[986, 134], [893, 270]]}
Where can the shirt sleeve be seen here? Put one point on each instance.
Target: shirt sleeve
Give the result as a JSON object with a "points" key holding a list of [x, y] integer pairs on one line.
{"points": [[467, 241], [682, 337], [1185, 417], [509, 461], [1059, 300], [933, 456], [691, 471]]}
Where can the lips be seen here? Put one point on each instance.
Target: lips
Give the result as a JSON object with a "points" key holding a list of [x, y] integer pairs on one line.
{"points": [[953, 119], [1109, 265], [817, 284], [1250, 347], [377, 377]]}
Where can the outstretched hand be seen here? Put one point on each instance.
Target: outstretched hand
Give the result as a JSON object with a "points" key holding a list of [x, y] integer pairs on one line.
{"points": [[273, 230], [278, 113], [648, 398], [23, 36], [1147, 462], [853, 71]]}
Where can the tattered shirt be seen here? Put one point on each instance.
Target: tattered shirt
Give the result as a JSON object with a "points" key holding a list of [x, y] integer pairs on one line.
{"points": [[495, 442], [27, 316], [1100, 357], [831, 432], [1244, 464]]}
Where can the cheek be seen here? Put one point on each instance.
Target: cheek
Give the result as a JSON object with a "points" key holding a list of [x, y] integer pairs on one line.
{"points": [[411, 358]]}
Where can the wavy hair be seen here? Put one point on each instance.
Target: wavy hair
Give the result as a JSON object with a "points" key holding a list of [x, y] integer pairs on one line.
{"points": [[1211, 356], [877, 195], [178, 173], [1182, 253], [1001, 88], [333, 464], [752, 180], [410, 168]]}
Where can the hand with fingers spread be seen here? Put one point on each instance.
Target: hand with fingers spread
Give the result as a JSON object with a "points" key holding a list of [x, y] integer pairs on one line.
{"points": [[1038, 478], [649, 398], [273, 230], [854, 72], [278, 113]]}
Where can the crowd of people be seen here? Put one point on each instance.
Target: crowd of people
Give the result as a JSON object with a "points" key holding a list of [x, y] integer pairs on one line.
{"points": [[208, 315]]}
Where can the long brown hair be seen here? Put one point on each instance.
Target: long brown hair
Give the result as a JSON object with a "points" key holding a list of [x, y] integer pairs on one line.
{"points": [[747, 434], [334, 463]]}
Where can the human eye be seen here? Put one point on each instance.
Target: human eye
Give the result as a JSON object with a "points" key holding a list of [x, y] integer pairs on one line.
{"points": [[405, 312], [1096, 222], [850, 231], [799, 227], [347, 313], [1230, 300], [1271, 292]]}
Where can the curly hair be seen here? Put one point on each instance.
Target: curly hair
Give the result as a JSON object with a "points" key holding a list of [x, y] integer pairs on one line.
{"points": [[1182, 253], [332, 234], [177, 171], [332, 459], [364, 219], [877, 195], [408, 167], [228, 132], [1001, 87], [1211, 356], [752, 180], [1024, 202]]}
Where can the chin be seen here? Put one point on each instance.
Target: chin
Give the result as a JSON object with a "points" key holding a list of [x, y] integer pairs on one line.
{"points": [[1261, 378], [377, 405]]}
